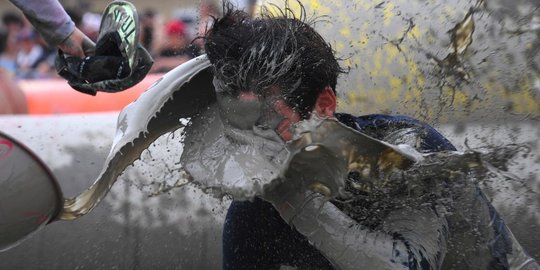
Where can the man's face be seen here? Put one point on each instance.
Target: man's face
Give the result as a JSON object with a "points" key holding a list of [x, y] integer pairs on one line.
{"points": [[288, 115]]}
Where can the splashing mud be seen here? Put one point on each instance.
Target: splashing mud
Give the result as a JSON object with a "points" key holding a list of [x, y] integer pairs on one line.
{"points": [[437, 180], [397, 63], [340, 163], [368, 194]]}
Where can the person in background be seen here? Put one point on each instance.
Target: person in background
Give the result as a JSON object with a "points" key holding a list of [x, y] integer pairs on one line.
{"points": [[87, 22], [29, 53], [177, 48], [12, 99], [90, 23], [44, 66], [12, 22], [152, 31], [207, 13], [148, 30], [8, 54]]}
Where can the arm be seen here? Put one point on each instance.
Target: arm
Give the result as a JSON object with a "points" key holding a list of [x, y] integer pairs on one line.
{"points": [[54, 24], [411, 239]]}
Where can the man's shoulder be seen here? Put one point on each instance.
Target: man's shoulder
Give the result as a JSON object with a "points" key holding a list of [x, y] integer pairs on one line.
{"points": [[398, 129], [378, 120]]}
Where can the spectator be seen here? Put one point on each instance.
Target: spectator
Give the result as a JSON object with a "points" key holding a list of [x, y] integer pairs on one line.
{"points": [[87, 22], [8, 54], [12, 99], [90, 25], [44, 66], [29, 53], [177, 40], [150, 36], [13, 22], [177, 48], [207, 12]]}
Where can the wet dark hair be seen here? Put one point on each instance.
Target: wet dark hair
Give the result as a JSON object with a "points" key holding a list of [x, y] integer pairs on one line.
{"points": [[273, 50]]}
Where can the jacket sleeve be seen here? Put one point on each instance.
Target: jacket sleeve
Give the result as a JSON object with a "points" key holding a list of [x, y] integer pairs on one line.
{"points": [[410, 239], [48, 17]]}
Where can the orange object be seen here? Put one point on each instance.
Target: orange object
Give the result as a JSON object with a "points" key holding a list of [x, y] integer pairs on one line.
{"points": [[55, 96]]}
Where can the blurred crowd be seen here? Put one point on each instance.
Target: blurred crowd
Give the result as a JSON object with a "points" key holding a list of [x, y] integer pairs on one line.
{"points": [[171, 41]]}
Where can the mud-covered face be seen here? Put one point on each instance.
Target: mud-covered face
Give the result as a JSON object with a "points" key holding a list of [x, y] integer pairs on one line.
{"points": [[266, 110]]}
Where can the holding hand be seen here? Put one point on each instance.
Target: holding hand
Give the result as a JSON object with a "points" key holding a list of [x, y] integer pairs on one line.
{"points": [[77, 44]]}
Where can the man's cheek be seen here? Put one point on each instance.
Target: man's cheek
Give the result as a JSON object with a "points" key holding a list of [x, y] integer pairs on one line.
{"points": [[283, 129]]}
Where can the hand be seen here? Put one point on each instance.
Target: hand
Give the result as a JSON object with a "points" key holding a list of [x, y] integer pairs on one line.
{"points": [[103, 73], [290, 199], [78, 45]]}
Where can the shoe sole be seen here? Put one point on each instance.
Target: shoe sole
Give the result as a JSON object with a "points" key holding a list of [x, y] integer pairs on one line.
{"points": [[122, 17]]}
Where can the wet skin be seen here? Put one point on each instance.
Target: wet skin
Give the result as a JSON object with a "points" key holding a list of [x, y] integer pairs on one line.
{"points": [[324, 106]]}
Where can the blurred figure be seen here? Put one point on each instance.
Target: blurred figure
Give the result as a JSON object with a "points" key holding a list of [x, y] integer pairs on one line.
{"points": [[152, 35], [87, 22], [176, 49], [189, 17], [12, 99], [90, 25], [147, 28], [13, 22], [207, 12], [44, 66], [8, 54], [29, 53], [177, 40]]}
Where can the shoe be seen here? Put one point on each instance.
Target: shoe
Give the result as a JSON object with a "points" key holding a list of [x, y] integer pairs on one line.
{"points": [[120, 23]]}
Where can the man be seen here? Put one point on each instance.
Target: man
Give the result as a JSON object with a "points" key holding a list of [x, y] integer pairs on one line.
{"points": [[282, 63]]}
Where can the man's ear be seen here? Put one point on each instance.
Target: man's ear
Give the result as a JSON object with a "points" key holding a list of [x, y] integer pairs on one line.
{"points": [[326, 102]]}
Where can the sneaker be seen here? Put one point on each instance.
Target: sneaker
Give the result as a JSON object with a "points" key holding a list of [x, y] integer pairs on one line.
{"points": [[120, 22]]}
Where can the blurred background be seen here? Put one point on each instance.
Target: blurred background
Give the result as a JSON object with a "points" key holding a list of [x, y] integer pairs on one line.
{"points": [[468, 67]]}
